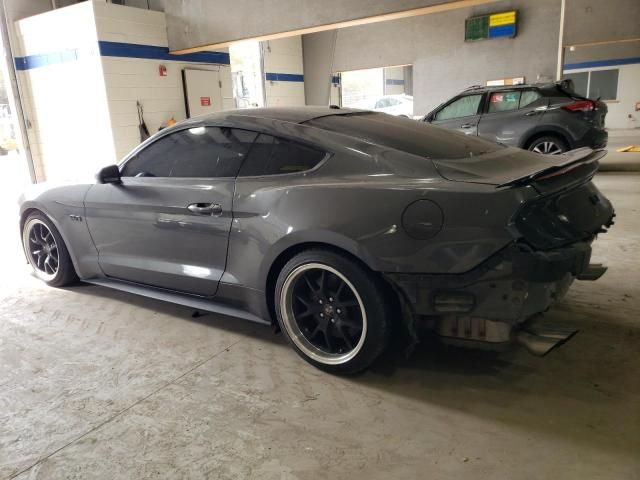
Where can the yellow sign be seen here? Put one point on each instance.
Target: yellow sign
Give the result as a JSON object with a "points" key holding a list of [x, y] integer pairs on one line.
{"points": [[505, 18]]}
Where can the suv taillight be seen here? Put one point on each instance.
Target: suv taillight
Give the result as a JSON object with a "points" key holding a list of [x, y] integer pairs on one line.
{"points": [[580, 106]]}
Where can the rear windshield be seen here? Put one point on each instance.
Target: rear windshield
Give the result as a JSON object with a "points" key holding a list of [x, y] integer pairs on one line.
{"points": [[412, 136]]}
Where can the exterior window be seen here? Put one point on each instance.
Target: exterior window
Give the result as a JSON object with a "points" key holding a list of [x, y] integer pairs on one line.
{"points": [[462, 107], [504, 101], [275, 156], [200, 152], [602, 84], [580, 82]]}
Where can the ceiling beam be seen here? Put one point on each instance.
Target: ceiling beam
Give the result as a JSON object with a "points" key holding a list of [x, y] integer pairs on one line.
{"points": [[414, 12]]}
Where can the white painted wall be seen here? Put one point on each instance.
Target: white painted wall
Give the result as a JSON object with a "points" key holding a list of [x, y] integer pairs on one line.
{"points": [[69, 136], [128, 80], [82, 112], [283, 56]]}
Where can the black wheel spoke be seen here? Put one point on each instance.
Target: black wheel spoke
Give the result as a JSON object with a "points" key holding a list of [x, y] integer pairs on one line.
{"points": [[350, 323], [309, 284], [346, 338], [326, 315], [42, 248]]}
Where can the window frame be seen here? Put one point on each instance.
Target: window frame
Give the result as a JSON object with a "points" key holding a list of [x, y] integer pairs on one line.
{"points": [[258, 131], [483, 98]]}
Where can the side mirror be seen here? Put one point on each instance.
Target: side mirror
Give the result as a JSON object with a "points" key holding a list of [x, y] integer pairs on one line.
{"points": [[110, 174], [429, 117]]}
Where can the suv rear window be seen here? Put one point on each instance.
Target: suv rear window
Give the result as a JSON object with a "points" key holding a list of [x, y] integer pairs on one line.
{"points": [[412, 136]]}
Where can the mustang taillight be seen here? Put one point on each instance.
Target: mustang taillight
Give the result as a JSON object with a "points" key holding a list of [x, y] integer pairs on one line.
{"points": [[580, 106]]}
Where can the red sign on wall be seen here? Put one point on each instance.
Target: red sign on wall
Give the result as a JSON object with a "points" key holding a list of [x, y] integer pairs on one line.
{"points": [[205, 101]]}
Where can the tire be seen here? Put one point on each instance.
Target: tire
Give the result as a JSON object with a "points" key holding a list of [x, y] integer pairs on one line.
{"points": [[332, 311], [548, 145], [41, 240]]}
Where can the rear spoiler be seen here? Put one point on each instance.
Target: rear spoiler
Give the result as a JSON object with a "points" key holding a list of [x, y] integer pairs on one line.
{"points": [[574, 159]]}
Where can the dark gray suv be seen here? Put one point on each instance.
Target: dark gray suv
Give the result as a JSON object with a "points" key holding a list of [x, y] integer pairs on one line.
{"points": [[549, 118]]}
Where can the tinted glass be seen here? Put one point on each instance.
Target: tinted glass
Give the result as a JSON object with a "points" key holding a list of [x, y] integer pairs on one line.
{"points": [[528, 97], [418, 138], [152, 161], [604, 84], [274, 156], [462, 107], [504, 101], [580, 82], [195, 152]]}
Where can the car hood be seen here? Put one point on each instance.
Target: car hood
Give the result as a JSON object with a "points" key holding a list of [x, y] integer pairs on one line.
{"points": [[512, 165]]}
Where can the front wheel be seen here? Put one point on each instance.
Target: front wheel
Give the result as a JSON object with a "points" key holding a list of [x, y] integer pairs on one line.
{"points": [[332, 310], [548, 145], [46, 251]]}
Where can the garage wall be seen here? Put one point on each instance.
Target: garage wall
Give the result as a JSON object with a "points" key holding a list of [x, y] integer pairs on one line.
{"points": [[443, 64], [591, 22], [127, 35], [63, 91], [81, 69], [283, 72]]}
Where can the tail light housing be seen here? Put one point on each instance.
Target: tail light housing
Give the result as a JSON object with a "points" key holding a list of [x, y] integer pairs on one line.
{"points": [[580, 106]]}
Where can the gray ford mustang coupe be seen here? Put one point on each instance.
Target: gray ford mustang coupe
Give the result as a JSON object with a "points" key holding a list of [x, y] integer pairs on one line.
{"points": [[338, 225]]}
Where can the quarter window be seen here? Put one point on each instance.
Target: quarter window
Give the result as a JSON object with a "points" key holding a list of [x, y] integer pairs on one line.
{"points": [[528, 97], [200, 152], [272, 156], [462, 107]]}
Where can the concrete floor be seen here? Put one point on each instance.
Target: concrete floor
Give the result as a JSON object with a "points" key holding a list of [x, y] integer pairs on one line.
{"points": [[100, 384]]}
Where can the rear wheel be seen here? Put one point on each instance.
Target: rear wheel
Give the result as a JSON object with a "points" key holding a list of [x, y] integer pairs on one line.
{"points": [[46, 251], [332, 311], [548, 145]]}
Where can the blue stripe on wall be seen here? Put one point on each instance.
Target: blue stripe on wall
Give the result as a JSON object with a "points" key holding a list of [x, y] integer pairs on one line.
{"points": [[394, 81], [132, 50], [284, 77], [54, 58], [118, 49], [602, 63]]}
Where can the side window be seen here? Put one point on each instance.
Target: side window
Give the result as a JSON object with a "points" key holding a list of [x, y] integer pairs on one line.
{"points": [[528, 97], [203, 152], [462, 107], [274, 156], [504, 101], [156, 160]]}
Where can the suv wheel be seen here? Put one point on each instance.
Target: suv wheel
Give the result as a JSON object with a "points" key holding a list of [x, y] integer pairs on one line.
{"points": [[548, 145], [332, 311]]}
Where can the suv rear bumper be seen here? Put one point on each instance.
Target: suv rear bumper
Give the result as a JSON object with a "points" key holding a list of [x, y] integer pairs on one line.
{"points": [[594, 138]]}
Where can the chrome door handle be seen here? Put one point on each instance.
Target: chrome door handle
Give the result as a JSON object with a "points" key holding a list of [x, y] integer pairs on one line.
{"points": [[205, 208], [467, 125]]}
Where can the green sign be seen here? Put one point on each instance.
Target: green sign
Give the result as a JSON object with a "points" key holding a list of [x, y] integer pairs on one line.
{"points": [[476, 28]]}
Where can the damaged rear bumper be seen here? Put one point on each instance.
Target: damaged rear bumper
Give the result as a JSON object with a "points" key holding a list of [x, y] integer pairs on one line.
{"points": [[489, 302]]}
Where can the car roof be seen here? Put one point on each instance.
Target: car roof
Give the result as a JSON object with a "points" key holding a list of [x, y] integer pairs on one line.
{"points": [[285, 114], [484, 88]]}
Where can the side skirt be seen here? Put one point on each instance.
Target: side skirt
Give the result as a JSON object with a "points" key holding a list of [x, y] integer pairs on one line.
{"points": [[190, 301]]}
